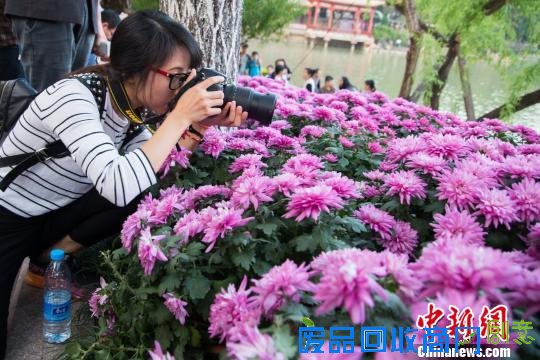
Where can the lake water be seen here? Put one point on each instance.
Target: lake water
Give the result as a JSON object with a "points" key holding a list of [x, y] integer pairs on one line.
{"points": [[386, 68]]}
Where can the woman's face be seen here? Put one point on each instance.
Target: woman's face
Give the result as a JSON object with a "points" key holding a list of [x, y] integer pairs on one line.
{"points": [[156, 94]]}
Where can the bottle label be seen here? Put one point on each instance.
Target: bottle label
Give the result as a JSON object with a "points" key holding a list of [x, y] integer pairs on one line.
{"points": [[57, 312]]}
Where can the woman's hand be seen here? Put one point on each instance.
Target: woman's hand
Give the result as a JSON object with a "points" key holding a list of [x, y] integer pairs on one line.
{"points": [[230, 116], [197, 103]]}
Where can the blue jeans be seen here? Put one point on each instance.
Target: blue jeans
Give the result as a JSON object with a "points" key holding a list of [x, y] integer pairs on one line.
{"points": [[50, 50]]}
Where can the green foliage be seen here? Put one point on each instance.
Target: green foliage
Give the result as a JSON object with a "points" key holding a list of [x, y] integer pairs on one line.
{"points": [[145, 4], [386, 33], [266, 18]]}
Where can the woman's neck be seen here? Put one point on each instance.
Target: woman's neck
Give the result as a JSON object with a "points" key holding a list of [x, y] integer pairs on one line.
{"points": [[131, 90]]}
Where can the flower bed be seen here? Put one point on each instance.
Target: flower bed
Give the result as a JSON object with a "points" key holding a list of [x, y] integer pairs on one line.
{"points": [[349, 209]]}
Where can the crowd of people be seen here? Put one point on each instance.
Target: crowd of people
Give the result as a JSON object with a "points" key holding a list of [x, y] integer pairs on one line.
{"points": [[251, 65]]}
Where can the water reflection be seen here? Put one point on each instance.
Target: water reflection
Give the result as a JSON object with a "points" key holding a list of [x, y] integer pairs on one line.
{"points": [[386, 68]]}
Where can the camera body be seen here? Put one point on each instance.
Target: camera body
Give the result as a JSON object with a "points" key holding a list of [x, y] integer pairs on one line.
{"points": [[260, 107]]}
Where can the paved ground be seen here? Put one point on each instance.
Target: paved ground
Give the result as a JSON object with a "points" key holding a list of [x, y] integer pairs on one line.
{"points": [[25, 340]]}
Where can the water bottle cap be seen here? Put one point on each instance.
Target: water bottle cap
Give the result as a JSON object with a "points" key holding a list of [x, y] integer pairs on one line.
{"points": [[57, 254]]}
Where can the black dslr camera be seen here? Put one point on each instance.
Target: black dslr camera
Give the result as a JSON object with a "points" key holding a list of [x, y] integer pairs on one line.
{"points": [[260, 107]]}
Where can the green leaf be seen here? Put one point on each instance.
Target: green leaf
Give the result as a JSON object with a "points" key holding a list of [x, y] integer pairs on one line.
{"points": [[391, 205], [267, 228], [164, 336], [305, 242], [194, 249], [435, 207], [102, 354], [197, 285], [244, 259], [195, 337], [308, 322], [73, 349], [284, 341], [169, 282]]}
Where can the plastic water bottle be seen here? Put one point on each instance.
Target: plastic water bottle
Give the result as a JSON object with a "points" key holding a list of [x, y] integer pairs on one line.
{"points": [[57, 300]]}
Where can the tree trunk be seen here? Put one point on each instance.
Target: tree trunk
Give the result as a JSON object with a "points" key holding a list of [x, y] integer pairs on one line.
{"points": [[466, 87], [525, 101], [443, 72], [413, 53], [116, 5], [216, 25]]}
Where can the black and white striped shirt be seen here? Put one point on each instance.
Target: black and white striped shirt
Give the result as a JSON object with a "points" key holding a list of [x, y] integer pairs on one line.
{"points": [[68, 111]]}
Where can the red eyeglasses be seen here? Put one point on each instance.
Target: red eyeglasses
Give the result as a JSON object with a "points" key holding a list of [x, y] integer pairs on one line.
{"points": [[175, 80]]}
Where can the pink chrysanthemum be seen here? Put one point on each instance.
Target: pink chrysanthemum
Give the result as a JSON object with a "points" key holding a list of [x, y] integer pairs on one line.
{"points": [[280, 125], [281, 283], [180, 158], [223, 220], [347, 282], [522, 166], [375, 175], [214, 142], [346, 142], [526, 197], [193, 196], [188, 226], [149, 250], [457, 227], [286, 183], [447, 146], [249, 343], [157, 353], [429, 164], [246, 161], [98, 299], [240, 144], [403, 239], [399, 149], [497, 208], [176, 306], [282, 142], [459, 188], [310, 202], [406, 184], [252, 190], [312, 130], [346, 188], [230, 308], [378, 220], [375, 147], [331, 158], [462, 267], [130, 230]]}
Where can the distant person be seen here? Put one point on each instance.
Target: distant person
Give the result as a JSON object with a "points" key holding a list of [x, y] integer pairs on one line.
{"points": [[54, 39], [254, 65], [369, 86], [283, 63], [345, 84], [10, 65], [244, 59], [317, 79], [309, 83], [109, 21], [268, 70], [329, 86], [281, 74]]}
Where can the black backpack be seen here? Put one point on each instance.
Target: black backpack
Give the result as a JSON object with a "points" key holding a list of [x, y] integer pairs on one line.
{"points": [[15, 97]]}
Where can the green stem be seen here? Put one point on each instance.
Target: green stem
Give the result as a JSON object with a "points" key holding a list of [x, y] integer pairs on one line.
{"points": [[117, 273]]}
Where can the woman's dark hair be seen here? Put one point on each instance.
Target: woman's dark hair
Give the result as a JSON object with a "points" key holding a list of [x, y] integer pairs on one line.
{"points": [[370, 84], [346, 84], [144, 40], [311, 71], [328, 78], [278, 69]]}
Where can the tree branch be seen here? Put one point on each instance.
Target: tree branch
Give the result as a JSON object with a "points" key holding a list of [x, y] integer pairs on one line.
{"points": [[525, 101]]}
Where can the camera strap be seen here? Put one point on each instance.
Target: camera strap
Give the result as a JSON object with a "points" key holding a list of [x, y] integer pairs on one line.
{"points": [[120, 99]]}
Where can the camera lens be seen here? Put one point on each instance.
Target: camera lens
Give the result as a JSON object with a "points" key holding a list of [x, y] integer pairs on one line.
{"points": [[259, 106]]}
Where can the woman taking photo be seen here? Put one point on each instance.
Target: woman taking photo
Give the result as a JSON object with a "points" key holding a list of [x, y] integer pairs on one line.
{"points": [[82, 198]]}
